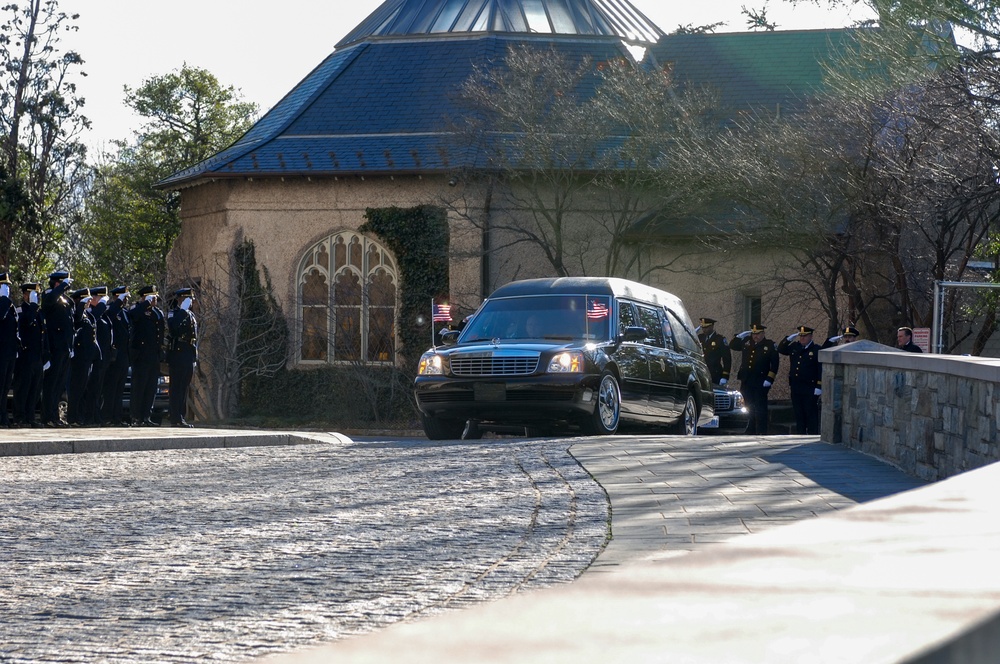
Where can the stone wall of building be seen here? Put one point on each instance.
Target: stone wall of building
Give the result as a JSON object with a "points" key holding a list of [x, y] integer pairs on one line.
{"points": [[933, 416]]}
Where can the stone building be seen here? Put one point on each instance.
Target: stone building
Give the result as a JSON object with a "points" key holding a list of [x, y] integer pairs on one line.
{"points": [[374, 126]]}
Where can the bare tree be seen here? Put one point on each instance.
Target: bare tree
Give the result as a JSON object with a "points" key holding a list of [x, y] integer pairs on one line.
{"points": [[578, 154], [242, 331], [884, 185]]}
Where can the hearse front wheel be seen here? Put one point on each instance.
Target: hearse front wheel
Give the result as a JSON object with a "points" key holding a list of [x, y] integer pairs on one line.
{"points": [[438, 428], [608, 410]]}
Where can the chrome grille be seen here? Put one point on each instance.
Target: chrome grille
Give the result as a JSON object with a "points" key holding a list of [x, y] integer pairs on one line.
{"points": [[723, 401], [494, 364]]}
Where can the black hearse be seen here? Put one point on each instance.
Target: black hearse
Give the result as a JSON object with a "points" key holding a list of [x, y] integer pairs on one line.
{"points": [[568, 354]]}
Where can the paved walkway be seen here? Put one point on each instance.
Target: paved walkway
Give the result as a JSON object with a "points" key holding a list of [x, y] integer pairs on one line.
{"points": [[231, 549]]}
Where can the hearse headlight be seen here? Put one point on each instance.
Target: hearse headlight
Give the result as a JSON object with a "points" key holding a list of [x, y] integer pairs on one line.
{"points": [[430, 365], [738, 402], [567, 362]]}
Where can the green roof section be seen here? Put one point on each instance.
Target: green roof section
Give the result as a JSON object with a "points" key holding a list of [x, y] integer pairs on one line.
{"points": [[755, 69]]}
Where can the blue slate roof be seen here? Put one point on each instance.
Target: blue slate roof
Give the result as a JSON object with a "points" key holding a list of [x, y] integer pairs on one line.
{"points": [[383, 107], [389, 104]]}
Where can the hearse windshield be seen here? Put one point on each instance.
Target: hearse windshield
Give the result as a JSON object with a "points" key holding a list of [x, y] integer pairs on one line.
{"points": [[542, 317]]}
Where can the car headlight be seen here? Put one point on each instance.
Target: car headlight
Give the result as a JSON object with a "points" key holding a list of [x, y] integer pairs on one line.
{"points": [[430, 365], [738, 401], [568, 362]]}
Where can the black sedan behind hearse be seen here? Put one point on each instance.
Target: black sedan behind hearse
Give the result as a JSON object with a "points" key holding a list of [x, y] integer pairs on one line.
{"points": [[573, 354]]}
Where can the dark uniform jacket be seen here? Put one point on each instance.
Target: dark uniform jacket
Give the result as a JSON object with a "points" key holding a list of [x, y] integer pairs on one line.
{"points": [[85, 342], [718, 357], [58, 310], [759, 361], [103, 330], [147, 332], [31, 330], [183, 328], [805, 372], [10, 341], [120, 334]]}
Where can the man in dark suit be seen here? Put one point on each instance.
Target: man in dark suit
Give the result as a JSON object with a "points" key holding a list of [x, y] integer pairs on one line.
{"points": [[183, 353], [10, 344], [59, 311], [114, 381], [758, 369], [34, 353], [904, 340], [146, 346], [714, 346]]}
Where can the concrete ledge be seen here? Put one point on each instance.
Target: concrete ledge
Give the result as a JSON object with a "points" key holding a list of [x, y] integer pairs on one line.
{"points": [[877, 355], [30, 442], [910, 578]]}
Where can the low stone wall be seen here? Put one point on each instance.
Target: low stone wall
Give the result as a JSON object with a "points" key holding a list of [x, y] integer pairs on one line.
{"points": [[933, 416]]}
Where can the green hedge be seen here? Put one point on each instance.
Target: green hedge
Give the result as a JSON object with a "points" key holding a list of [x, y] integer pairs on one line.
{"points": [[344, 396]]}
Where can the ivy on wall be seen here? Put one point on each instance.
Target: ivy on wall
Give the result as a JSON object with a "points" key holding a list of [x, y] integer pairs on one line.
{"points": [[419, 238]]}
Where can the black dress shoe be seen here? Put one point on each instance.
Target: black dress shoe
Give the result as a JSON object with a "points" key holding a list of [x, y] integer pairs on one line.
{"points": [[184, 424], [148, 423]]}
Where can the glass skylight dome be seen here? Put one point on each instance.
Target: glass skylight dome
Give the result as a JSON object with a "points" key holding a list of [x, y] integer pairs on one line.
{"points": [[609, 18]]}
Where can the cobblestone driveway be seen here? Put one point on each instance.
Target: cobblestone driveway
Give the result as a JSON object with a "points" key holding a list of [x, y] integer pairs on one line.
{"points": [[232, 554]]}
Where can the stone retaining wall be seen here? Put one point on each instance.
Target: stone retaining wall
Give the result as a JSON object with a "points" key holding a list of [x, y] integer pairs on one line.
{"points": [[933, 416]]}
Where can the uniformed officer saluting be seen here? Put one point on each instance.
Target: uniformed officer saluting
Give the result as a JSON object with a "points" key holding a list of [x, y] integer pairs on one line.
{"points": [[86, 354], [114, 380], [147, 342], [183, 353], [714, 346], [34, 354], [758, 369], [10, 344], [58, 310], [804, 378]]}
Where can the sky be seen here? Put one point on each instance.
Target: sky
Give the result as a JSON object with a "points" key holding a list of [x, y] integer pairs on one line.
{"points": [[265, 49]]}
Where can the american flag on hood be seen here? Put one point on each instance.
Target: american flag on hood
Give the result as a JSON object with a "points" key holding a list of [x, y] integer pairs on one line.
{"points": [[441, 313]]}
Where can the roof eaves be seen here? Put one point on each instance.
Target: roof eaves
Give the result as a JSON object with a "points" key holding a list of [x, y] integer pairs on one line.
{"points": [[274, 122]]}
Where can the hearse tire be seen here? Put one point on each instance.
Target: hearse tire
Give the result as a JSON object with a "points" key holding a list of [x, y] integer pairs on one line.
{"points": [[608, 410], [438, 428]]}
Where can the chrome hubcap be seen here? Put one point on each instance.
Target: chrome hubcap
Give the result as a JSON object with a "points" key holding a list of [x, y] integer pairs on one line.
{"points": [[608, 403]]}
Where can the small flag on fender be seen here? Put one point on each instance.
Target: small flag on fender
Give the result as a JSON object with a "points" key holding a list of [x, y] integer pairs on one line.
{"points": [[441, 313]]}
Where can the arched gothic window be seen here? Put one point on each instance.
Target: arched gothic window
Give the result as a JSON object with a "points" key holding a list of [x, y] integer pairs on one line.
{"points": [[347, 301]]}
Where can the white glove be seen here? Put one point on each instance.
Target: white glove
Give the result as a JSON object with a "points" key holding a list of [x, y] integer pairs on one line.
{"points": [[767, 383], [697, 330], [46, 366], [723, 381], [743, 335], [68, 281], [817, 392], [71, 355], [792, 337], [835, 339]]}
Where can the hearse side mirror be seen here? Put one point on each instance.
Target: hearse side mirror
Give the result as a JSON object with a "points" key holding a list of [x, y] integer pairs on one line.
{"points": [[634, 333], [449, 337]]}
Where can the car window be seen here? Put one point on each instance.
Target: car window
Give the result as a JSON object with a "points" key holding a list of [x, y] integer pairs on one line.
{"points": [[668, 331], [627, 316], [684, 337], [650, 319]]}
